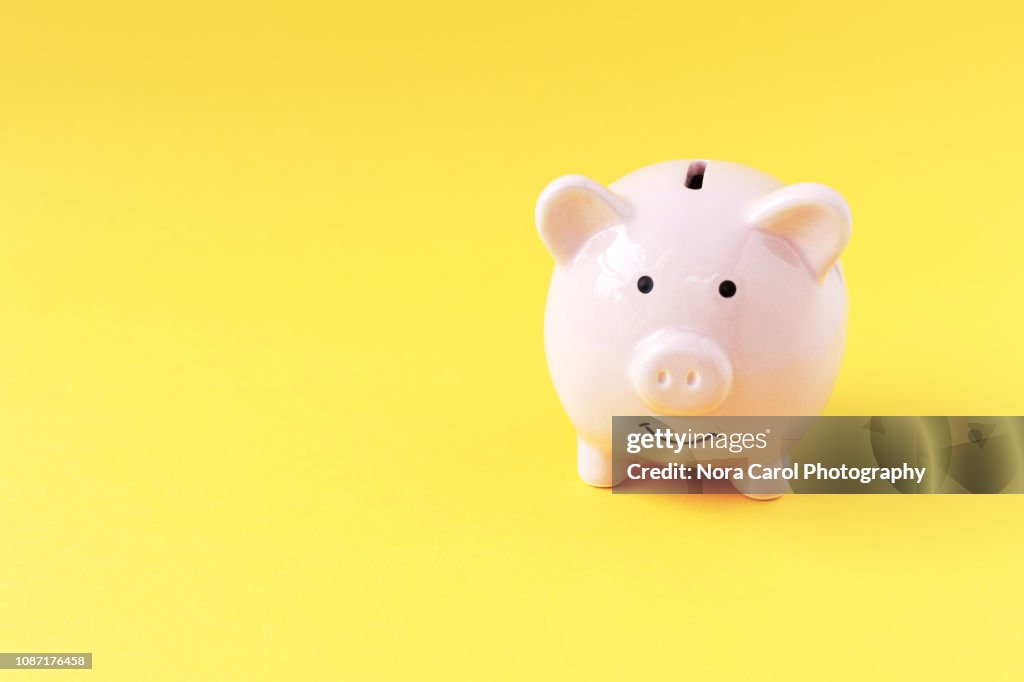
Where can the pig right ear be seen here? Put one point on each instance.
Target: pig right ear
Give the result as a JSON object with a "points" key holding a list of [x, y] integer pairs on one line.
{"points": [[572, 209]]}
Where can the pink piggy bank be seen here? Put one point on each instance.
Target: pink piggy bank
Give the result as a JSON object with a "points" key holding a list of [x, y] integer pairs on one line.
{"points": [[691, 288]]}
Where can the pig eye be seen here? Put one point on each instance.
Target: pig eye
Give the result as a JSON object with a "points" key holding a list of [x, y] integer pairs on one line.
{"points": [[645, 284], [727, 288]]}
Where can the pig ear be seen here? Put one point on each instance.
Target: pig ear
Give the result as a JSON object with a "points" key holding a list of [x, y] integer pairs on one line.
{"points": [[813, 218], [572, 209]]}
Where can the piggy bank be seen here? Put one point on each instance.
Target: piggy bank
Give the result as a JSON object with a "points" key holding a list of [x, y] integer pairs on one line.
{"points": [[690, 288]]}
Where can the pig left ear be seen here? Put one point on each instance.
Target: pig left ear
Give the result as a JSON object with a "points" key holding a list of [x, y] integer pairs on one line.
{"points": [[813, 218]]}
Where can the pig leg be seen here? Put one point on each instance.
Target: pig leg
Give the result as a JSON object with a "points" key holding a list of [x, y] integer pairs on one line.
{"points": [[763, 489], [595, 465]]}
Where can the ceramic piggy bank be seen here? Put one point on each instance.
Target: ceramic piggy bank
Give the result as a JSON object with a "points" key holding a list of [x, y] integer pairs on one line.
{"points": [[691, 288]]}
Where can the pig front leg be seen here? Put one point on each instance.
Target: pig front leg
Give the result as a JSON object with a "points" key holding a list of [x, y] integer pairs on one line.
{"points": [[595, 465], [764, 489]]}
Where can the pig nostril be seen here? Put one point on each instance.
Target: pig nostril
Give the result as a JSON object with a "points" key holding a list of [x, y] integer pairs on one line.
{"points": [[692, 379], [663, 378]]}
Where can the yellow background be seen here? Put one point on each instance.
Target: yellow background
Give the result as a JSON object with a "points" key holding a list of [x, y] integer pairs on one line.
{"points": [[273, 399]]}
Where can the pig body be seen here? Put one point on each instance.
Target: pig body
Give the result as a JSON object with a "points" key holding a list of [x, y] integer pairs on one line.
{"points": [[691, 288]]}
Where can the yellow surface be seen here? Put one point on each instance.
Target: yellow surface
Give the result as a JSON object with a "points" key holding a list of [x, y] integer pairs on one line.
{"points": [[273, 400]]}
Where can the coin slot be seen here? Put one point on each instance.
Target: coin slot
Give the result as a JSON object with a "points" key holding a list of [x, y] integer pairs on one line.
{"points": [[695, 174]]}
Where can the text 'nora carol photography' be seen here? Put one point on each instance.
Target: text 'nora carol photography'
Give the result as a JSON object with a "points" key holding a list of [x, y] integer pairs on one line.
{"points": [[711, 472]]}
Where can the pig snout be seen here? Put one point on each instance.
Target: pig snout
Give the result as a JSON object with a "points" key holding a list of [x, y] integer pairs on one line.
{"points": [[681, 373]]}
